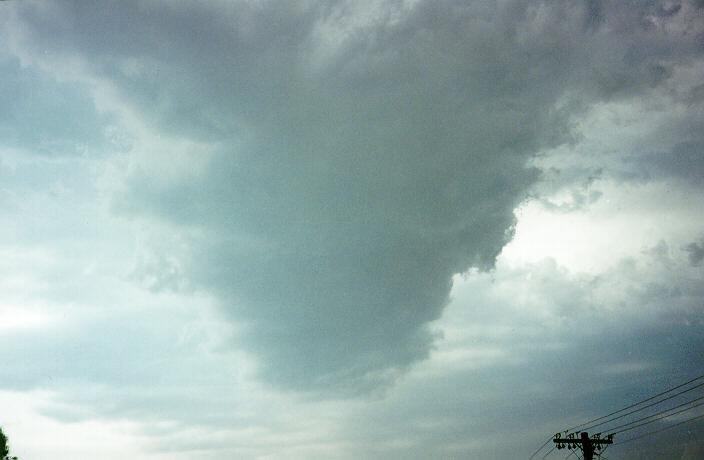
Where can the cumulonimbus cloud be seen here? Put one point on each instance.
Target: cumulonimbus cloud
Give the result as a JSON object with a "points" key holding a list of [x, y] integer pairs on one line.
{"points": [[358, 156]]}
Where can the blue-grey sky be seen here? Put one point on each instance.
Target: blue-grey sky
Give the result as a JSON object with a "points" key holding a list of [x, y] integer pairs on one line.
{"points": [[346, 229]]}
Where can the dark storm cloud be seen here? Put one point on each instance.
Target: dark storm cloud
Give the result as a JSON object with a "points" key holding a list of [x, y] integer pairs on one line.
{"points": [[684, 161], [548, 349], [695, 253], [360, 160]]}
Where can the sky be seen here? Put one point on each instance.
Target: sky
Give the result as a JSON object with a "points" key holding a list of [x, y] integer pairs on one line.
{"points": [[347, 229]]}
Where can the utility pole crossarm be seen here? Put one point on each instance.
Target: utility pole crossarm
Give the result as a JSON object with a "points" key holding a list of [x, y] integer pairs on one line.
{"points": [[584, 442], [580, 441]]}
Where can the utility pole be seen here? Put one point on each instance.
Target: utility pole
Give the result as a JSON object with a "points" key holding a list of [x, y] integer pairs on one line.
{"points": [[588, 445]]}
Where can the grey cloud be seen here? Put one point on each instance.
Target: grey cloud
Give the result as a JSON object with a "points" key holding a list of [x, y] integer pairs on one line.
{"points": [[127, 361], [571, 347], [578, 181], [685, 161], [594, 13], [354, 173], [696, 253], [637, 46], [44, 116], [681, 161], [535, 354]]}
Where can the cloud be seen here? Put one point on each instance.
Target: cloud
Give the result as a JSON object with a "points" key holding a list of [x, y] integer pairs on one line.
{"points": [[217, 217], [348, 163], [535, 349], [682, 162], [43, 115], [696, 253]]}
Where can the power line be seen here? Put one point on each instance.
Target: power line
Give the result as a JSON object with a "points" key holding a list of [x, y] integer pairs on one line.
{"points": [[591, 445], [540, 448], [655, 420], [642, 408], [659, 413], [634, 405], [660, 430], [549, 452], [601, 454]]}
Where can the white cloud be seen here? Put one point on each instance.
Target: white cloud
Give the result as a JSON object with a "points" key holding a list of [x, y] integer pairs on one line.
{"points": [[625, 220]]}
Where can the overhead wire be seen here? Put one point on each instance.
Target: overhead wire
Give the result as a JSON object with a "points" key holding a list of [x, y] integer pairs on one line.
{"points": [[659, 413], [636, 404], [655, 420], [592, 425], [549, 452], [642, 408], [604, 450], [540, 448], [658, 431]]}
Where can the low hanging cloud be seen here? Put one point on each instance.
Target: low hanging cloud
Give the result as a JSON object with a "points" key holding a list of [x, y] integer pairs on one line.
{"points": [[695, 253], [346, 159]]}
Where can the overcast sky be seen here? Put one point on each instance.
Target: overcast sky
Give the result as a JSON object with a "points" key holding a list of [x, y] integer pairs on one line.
{"points": [[346, 229]]}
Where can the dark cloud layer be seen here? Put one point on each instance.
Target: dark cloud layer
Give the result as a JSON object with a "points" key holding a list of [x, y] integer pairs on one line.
{"points": [[354, 161], [695, 253]]}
